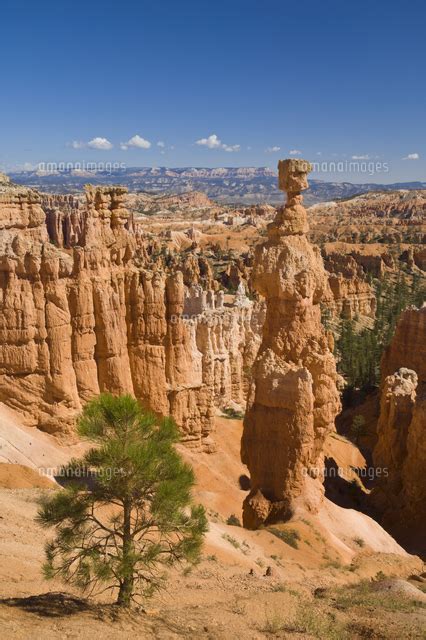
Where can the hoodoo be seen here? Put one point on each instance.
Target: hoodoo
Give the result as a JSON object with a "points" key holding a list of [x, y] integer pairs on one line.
{"points": [[293, 399], [401, 447]]}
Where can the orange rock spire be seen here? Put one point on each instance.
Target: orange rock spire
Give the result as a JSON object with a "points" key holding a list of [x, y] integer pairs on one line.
{"points": [[293, 399]]}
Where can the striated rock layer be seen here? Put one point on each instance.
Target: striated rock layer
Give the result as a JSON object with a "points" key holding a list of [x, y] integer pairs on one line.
{"points": [[87, 318], [293, 399], [352, 295]]}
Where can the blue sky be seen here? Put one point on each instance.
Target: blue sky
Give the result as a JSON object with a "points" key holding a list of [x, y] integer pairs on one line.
{"points": [[330, 79]]}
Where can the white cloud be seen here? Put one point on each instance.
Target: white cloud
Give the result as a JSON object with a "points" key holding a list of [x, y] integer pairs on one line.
{"points": [[136, 141], [412, 156], [231, 148], [295, 152], [102, 144], [319, 153], [213, 142], [364, 157], [272, 149], [161, 144]]}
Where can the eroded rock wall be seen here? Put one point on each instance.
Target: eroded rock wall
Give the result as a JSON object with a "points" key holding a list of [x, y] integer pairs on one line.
{"points": [[78, 321], [352, 295]]}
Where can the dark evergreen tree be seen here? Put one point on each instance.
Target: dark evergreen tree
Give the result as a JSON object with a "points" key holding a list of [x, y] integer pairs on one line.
{"points": [[135, 516], [360, 351], [358, 428]]}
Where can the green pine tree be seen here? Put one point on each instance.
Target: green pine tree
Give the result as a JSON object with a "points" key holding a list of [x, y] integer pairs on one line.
{"points": [[358, 428], [360, 351], [132, 516]]}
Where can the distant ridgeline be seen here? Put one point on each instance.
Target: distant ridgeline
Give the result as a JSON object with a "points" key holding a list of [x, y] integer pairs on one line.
{"points": [[246, 185]]}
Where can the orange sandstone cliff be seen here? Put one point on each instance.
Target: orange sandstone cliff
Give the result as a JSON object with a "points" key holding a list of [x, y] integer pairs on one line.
{"points": [[79, 315]]}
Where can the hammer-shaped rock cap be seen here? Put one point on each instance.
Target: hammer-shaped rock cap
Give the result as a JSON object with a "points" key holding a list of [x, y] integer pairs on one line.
{"points": [[293, 174]]}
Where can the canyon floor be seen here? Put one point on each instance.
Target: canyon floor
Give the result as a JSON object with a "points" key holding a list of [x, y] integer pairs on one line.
{"points": [[334, 575]]}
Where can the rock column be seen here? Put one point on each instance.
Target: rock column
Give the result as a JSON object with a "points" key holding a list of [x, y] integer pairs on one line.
{"points": [[293, 399]]}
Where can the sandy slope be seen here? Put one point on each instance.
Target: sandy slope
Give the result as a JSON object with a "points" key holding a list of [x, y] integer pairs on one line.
{"points": [[18, 476], [229, 594], [218, 599], [20, 444], [219, 490]]}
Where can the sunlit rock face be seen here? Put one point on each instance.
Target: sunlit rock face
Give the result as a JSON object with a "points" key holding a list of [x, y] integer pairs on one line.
{"points": [[80, 315], [293, 398], [352, 296]]}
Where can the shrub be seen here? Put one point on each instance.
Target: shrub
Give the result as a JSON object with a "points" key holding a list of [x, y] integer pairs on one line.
{"points": [[233, 521], [359, 541], [232, 414], [289, 536]]}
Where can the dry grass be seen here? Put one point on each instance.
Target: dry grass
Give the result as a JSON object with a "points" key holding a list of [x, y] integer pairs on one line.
{"points": [[362, 595]]}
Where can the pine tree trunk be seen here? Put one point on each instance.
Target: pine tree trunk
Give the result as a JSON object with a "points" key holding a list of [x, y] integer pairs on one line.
{"points": [[125, 592], [126, 587]]}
